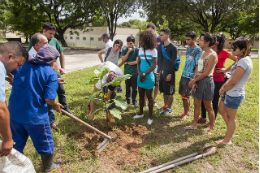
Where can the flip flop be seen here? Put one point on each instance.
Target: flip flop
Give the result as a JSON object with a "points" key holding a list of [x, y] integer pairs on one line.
{"points": [[221, 143], [208, 132], [181, 115], [190, 128], [184, 117]]}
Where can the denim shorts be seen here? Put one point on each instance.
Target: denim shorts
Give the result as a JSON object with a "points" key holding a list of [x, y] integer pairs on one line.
{"points": [[233, 102]]}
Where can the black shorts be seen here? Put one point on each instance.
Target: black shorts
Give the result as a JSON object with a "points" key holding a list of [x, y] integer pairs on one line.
{"points": [[167, 87], [184, 91]]}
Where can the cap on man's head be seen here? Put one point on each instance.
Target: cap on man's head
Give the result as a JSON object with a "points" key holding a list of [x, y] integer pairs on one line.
{"points": [[45, 55], [111, 76]]}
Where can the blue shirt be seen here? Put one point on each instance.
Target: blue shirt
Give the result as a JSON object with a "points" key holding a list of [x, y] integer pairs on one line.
{"points": [[192, 58], [2, 82], [31, 85]]}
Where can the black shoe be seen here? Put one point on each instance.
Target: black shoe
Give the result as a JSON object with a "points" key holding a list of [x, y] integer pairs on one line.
{"points": [[135, 104], [49, 164]]}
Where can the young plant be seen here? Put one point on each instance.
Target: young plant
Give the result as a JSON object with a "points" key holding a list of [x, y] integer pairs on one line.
{"points": [[101, 95]]}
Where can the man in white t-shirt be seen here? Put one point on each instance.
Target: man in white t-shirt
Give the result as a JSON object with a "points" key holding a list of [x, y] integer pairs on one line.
{"points": [[106, 39], [114, 72]]}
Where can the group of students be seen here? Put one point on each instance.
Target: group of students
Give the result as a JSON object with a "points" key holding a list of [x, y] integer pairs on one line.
{"points": [[153, 65], [145, 67], [204, 76]]}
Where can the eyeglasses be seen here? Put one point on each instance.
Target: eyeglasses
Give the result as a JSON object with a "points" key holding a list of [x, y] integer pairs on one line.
{"points": [[234, 48]]}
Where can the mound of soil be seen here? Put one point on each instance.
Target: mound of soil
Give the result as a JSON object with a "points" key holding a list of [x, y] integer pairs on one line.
{"points": [[124, 148]]}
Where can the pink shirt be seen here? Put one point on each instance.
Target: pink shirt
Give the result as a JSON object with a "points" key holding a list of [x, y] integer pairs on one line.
{"points": [[222, 56]]}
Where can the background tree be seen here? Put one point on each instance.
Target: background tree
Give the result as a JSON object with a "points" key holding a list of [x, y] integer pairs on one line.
{"points": [[23, 17], [66, 14], [2, 8], [112, 10], [132, 23], [231, 25]]}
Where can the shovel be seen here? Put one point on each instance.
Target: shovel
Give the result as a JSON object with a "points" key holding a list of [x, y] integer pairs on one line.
{"points": [[205, 152], [101, 146]]}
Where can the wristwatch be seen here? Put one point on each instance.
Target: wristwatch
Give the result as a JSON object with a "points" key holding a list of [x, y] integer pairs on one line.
{"points": [[143, 74]]}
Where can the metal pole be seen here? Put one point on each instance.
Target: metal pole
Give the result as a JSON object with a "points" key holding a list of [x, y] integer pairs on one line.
{"points": [[90, 37]]}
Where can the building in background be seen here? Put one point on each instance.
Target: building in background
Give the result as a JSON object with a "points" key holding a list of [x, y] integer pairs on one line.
{"points": [[93, 38]]}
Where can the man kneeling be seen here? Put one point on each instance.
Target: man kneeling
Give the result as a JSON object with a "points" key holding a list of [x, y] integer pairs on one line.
{"points": [[114, 72]]}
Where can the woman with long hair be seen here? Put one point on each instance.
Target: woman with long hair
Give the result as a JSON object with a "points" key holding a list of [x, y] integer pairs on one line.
{"points": [[233, 91], [146, 63], [203, 84], [218, 74]]}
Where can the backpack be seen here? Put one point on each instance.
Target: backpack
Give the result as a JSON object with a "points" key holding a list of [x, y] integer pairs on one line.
{"points": [[108, 52], [167, 56]]}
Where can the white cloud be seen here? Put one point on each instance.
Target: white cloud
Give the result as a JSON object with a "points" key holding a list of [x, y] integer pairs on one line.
{"points": [[135, 15]]}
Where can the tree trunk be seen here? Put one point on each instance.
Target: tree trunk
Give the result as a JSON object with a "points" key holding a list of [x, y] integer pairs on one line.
{"points": [[60, 37], [26, 39]]}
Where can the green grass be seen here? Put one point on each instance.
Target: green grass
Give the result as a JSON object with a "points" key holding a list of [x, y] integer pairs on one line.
{"points": [[167, 140], [252, 50]]}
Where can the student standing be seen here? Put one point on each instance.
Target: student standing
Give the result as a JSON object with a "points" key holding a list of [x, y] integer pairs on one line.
{"points": [[218, 74], [106, 39], [48, 30], [193, 54], [233, 91], [129, 59], [146, 63], [203, 84], [167, 61]]}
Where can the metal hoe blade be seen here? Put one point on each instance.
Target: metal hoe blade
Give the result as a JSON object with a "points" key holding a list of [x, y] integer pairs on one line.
{"points": [[103, 145]]}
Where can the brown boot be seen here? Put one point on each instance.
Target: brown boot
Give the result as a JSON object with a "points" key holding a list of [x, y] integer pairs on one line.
{"points": [[111, 118]]}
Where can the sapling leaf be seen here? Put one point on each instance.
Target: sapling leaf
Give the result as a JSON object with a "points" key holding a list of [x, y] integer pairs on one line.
{"points": [[118, 80], [96, 110], [116, 113], [95, 94], [97, 99], [120, 102], [92, 80]]}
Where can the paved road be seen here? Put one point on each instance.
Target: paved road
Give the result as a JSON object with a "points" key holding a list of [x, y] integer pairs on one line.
{"points": [[80, 59], [76, 60]]}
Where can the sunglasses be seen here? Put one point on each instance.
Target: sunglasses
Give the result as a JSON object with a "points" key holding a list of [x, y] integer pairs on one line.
{"points": [[234, 48]]}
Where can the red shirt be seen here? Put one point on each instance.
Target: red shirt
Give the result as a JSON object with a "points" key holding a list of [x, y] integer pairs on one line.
{"points": [[222, 56]]}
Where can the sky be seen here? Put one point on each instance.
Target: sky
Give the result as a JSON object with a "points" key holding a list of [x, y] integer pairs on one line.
{"points": [[134, 16]]}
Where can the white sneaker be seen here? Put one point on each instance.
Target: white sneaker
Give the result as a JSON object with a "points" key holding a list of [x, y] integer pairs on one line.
{"points": [[138, 116], [150, 121]]}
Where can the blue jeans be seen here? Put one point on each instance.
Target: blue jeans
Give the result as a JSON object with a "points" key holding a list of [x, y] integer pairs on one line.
{"points": [[40, 134], [51, 115], [233, 102]]}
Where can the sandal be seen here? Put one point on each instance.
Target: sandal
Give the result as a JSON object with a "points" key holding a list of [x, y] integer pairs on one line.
{"points": [[184, 117], [221, 143], [181, 115], [208, 132], [190, 128]]}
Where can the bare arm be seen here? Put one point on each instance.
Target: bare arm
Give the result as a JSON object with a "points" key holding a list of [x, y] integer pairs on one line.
{"points": [[100, 55], [62, 60], [233, 81], [133, 62], [56, 106], [152, 67], [211, 64], [223, 70], [5, 130]]}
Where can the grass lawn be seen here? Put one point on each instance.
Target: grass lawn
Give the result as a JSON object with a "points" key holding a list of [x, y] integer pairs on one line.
{"points": [[164, 140]]}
